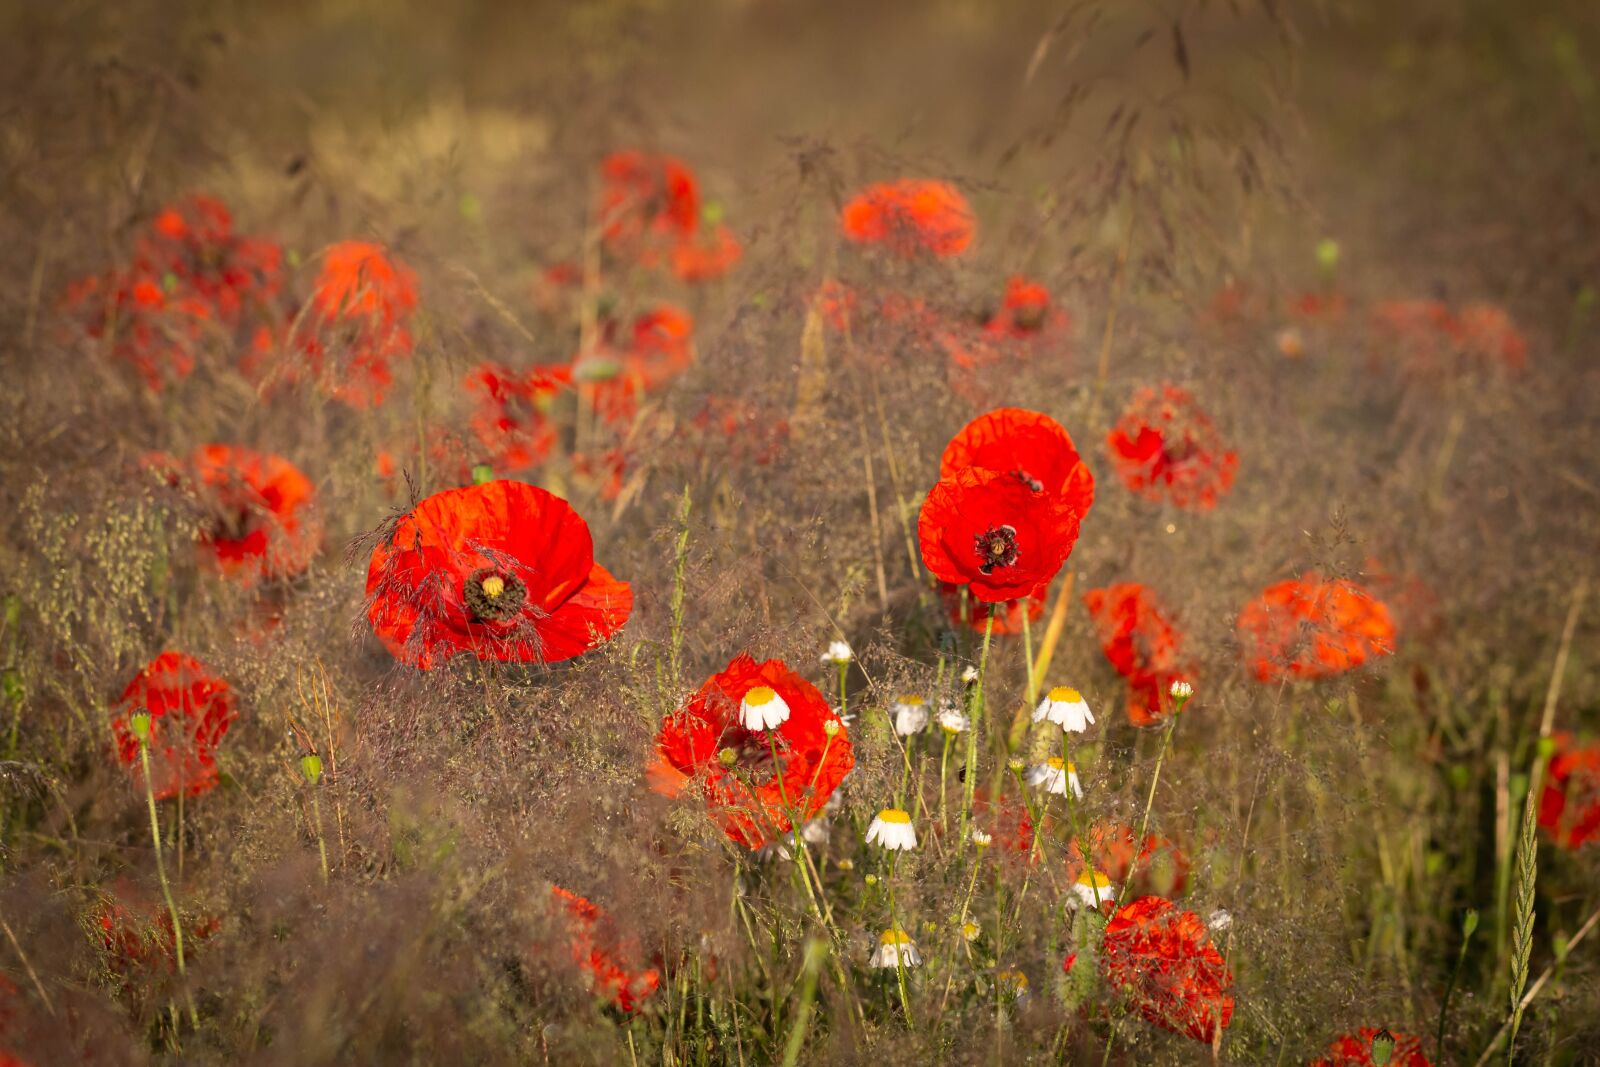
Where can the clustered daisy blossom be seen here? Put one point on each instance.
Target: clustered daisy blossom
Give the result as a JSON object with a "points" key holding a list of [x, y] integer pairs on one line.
{"points": [[892, 829]]}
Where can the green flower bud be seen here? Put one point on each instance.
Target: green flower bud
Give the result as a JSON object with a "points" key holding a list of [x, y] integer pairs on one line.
{"points": [[1382, 1048], [1469, 923], [311, 767], [728, 757], [482, 474], [139, 725]]}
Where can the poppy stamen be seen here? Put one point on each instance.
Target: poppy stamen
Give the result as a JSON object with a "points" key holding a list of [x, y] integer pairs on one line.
{"points": [[997, 547], [492, 596]]}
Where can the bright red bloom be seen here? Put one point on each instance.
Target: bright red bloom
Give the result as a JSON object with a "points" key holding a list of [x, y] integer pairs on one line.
{"points": [[1142, 644], [193, 240], [1035, 447], [708, 259], [1489, 336], [260, 519], [910, 216], [1007, 617], [995, 532], [1166, 448], [360, 312], [156, 332], [512, 418], [794, 767], [135, 936], [190, 710], [647, 203], [1569, 807], [1158, 867], [662, 345], [1161, 958], [1310, 627], [1026, 312], [604, 955], [1355, 1050], [504, 571]]}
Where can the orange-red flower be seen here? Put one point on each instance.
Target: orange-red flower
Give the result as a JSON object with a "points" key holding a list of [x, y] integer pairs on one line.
{"points": [[190, 710], [1161, 958], [1311, 627], [998, 532], [708, 257], [1026, 312], [1355, 1050], [360, 314], [136, 935], [603, 955], [156, 332], [647, 202], [512, 420], [1142, 644], [1489, 336], [193, 241], [1166, 448], [504, 571], [753, 780], [1035, 447], [909, 217], [1157, 867], [259, 511], [1569, 807], [1008, 617]]}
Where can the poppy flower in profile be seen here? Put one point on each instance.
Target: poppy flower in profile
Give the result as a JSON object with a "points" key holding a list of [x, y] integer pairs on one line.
{"points": [[603, 955], [1161, 959], [909, 217], [1035, 447], [661, 346], [190, 710], [1569, 807], [503, 571], [360, 315], [1008, 617], [1165, 448], [995, 532], [259, 520], [754, 779], [512, 418], [1142, 644], [1490, 337], [1359, 1050], [1156, 867], [1311, 627]]}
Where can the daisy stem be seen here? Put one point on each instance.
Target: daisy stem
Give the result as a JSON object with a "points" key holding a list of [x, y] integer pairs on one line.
{"points": [[944, 767], [322, 845], [844, 697], [1027, 651], [161, 873], [899, 949], [972, 731], [1150, 799]]}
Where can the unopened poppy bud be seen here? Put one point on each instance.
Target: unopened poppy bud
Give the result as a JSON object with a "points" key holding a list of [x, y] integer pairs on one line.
{"points": [[1328, 253], [139, 725], [728, 757], [1382, 1048], [482, 474], [1469, 923], [311, 767], [1547, 748]]}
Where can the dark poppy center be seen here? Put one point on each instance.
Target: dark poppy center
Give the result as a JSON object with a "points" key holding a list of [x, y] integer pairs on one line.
{"points": [[233, 523], [493, 596], [753, 753], [1184, 448], [1028, 319], [997, 547]]}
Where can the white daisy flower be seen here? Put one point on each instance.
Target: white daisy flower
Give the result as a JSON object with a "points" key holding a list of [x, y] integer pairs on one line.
{"points": [[910, 714], [1093, 888], [970, 931], [839, 653], [895, 950], [969, 675], [763, 709], [981, 839], [951, 721], [1220, 920], [1053, 776], [1066, 708], [892, 829], [1181, 690], [815, 832]]}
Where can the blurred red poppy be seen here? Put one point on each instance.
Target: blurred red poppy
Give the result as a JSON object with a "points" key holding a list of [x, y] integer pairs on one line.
{"points": [[512, 418], [995, 532], [193, 241], [753, 780], [1161, 959], [909, 217], [1569, 807], [728, 428], [1311, 627], [138, 935], [190, 711], [707, 257], [604, 955], [647, 202], [156, 332], [359, 314], [1490, 337], [1422, 333], [504, 571], [1158, 867], [1165, 448], [1142, 644], [1026, 313], [1356, 1050]]}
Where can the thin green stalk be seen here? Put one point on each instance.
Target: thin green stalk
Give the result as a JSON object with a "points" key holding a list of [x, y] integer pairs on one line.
{"points": [[899, 957], [1468, 925], [978, 701], [815, 949], [161, 866], [680, 566]]}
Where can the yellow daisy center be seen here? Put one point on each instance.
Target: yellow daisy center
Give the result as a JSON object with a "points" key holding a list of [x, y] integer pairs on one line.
{"points": [[894, 815], [895, 937], [913, 700], [1095, 879], [1055, 764], [760, 695], [1065, 695]]}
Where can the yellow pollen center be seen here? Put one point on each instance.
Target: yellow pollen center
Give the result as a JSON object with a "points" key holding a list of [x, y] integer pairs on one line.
{"points": [[895, 937], [1095, 879], [1056, 765], [1065, 695], [493, 586], [912, 699], [894, 815], [760, 695]]}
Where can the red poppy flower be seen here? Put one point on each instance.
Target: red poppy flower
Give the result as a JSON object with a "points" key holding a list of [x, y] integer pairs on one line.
{"points": [[156, 332], [504, 571], [1161, 958], [910, 216], [1355, 1050], [1007, 823], [1308, 627], [603, 955], [260, 520], [1142, 644], [1026, 312], [1035, 447], [1489, 336], [512, 420], [708, 257], [135, 936], [190, 711], [194, 241], [837, 303], [995, 532], [1569, 807], [753, 779], [1008, 617], [662, 345], [1422, 332], [647, 203], [1166, 448], [360, 312], [1158, 867]]}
